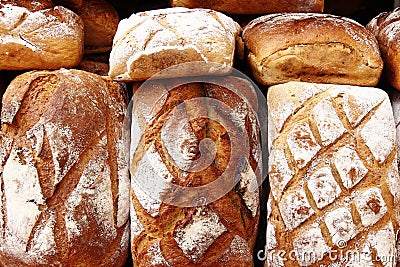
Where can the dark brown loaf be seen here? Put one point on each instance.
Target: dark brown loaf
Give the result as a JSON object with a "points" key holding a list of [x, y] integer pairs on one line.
{"points": [[313, 48], [333, 175], [100, 21], [48, 38], [221, 233], [64, 172], [254, 6], [386, 27], [99, 68]]}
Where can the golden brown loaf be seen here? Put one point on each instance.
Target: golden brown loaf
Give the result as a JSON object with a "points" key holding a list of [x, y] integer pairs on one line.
{"points": [[254, 6], [167, 128], [64, 176], [333, 176], [386, 27], [312, 48], [42, 39], [100, 21], [151, 41]]}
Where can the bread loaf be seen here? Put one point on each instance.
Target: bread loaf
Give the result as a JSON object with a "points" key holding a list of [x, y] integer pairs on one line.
{"points": [[64, 172], [312, 48], [333, 176], [386, 27], [74, 4], [151, 41], [254, 6], [100, 21], [48, 38], [29, 4], [180, 227], [99, 68]]}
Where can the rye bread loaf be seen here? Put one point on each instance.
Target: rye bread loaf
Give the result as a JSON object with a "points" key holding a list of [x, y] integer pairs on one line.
{"points": [[167, 130], [254, 6], [333, 175], [39, 36], [311, 47], [100, 21], [386, 28], [64, 173], [151, 41]]}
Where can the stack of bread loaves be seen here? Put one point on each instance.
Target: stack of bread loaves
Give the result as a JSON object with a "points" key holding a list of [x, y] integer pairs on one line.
{"points": [[83, 177]]}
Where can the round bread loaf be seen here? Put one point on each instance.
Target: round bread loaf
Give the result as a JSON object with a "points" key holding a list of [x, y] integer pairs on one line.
{"points": [[176, 220], [151, 41], [64, 173], [100, 21], [35, 38], [386, 28], [334, 177], [254, 6], [312, 48]]}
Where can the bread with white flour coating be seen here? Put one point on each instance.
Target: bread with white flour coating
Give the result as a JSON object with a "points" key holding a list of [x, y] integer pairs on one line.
{"points": [[151, 41], [64, 172], [168, 227], [333, 175]]}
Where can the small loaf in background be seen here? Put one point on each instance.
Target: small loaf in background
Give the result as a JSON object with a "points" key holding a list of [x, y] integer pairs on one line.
{"points": [[100, 20], [167, 128], [64, 171], [312, 48], [386, 28], [48, 38], [151, 41], [254, 6], [333, 175]]}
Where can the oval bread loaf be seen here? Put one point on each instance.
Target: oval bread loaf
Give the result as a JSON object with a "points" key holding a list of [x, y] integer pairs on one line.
{"points": [[151, 41], [386, 28], [333, 175], [49, 38], [312, 48], [167, 130], [64, 173]]}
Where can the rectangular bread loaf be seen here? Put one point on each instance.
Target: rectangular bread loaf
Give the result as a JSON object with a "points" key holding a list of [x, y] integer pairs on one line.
{"points": [[333, 176]]}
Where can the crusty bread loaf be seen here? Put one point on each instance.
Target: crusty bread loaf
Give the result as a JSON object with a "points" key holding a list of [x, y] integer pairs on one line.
{"points": [[74, 4], [31, 5], [100, 21], [254, 6], [333, 176], [64, 176], [48, 38], [167, 131], [386, 28], [151, 41], [312, 48], [99, 68]]}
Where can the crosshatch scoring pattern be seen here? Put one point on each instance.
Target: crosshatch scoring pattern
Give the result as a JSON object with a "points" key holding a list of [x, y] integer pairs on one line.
{"points": [[333, 176]]}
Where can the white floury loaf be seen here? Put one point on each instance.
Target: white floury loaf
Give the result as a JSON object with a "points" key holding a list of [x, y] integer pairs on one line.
{"points": [[64, 173], [39, 36], [333, 176], [151, 41], [167, 130]]}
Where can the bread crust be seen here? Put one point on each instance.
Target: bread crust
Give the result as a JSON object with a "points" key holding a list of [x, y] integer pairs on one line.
{"points": [[385, 27], [40, 39], [313, 48], [333, 176], [100, 21], [253, 6], [151, 41], [221, 233], [61, 137]]}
